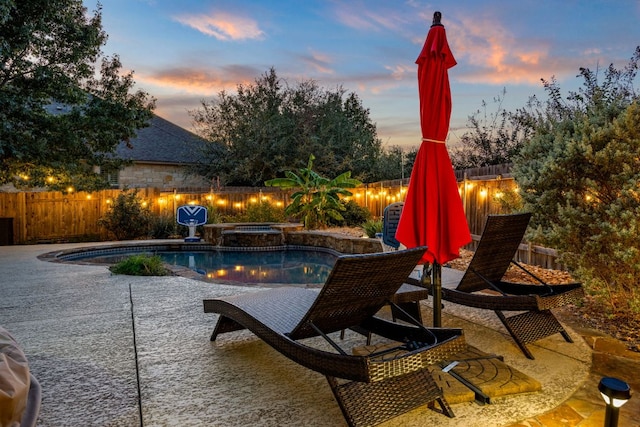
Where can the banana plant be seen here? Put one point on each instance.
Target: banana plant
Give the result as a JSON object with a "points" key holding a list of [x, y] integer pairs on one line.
{"points": [[316, 198]]}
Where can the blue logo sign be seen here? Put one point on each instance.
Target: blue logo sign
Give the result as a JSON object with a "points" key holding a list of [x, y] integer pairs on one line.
{"points": [[192, 215]]}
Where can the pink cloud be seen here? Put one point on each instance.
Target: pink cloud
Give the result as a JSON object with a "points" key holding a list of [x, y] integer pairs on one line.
{"points": [[223, 26], [489, 54], [318, 61], [401, 72], [201, 81]]}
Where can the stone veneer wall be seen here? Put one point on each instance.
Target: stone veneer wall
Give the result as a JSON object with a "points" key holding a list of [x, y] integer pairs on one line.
{"points": [[164, 177], [341, 243], [291, 234]]}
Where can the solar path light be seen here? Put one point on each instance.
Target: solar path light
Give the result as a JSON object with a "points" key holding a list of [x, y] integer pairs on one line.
{"points": [[615, 393]]}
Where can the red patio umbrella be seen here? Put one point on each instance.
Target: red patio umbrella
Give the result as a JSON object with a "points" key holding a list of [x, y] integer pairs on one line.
{"points": [[433, 214]]}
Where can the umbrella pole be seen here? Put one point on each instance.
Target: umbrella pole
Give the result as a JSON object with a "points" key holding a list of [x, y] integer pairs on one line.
{"points": [[436, 286]]}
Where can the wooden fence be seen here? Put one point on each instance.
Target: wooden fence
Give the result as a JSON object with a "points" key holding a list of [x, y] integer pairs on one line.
{"points": [[38, 217]]}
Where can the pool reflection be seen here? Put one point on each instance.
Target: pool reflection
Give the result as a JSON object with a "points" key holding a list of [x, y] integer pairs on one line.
{"points": [[304, 267]]}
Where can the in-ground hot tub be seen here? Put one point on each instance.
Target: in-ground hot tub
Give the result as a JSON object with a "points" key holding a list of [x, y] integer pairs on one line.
{"points": [[277, 234], [241, 235]]}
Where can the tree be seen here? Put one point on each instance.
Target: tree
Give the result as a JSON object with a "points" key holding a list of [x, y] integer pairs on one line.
{"points": [[579, 176], [270, 127], [395, 163], [64, 107], [494, 138], [316, 199]]}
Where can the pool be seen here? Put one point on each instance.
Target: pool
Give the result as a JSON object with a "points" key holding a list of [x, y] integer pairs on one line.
{"points": [[307, 266]]}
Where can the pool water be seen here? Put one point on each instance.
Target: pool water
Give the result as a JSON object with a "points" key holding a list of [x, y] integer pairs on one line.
{"points": [[286, 266]]}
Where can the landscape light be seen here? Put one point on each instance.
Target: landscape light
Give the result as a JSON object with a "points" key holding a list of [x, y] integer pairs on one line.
{"points": [[615, 393]]}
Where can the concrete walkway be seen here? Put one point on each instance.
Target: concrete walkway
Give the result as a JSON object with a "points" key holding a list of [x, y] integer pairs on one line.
{"points": [[133, 351]]}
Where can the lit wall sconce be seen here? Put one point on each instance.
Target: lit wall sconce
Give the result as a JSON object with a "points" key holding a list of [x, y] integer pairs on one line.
{"points": [[615, 393]]}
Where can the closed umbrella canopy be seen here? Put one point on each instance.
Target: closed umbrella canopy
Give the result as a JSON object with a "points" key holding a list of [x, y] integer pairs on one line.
{"points": [[433, 214]]}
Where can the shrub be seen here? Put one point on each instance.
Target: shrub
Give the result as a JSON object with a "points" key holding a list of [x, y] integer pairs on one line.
{"points": [[372, 227], [354, 215], [263, 211], [141, 265], [127, 218], [579, 177], [162, 226], [213, 215]]}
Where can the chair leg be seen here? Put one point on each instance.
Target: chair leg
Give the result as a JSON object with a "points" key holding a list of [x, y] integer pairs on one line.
{"points": [[532, 326], [566, 336], [514, 335], [225, 324], [412, 308], [444, 407], [369, 404]]}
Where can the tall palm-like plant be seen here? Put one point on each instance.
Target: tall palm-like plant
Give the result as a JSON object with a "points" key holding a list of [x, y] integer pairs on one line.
{"points": [[317, 198]]}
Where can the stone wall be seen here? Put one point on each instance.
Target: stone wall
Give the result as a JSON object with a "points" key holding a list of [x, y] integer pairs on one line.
{"points": [[287, 234], [163, 177]]}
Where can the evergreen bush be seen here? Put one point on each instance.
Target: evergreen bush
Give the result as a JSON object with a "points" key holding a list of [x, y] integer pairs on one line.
{"points": [[579, 177], [127, 218]]}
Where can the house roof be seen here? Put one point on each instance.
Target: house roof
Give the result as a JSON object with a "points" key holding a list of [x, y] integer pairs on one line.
{"points": [[162, 142]]}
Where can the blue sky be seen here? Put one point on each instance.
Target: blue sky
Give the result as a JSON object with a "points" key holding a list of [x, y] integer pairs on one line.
{"points": [[186, 51]]}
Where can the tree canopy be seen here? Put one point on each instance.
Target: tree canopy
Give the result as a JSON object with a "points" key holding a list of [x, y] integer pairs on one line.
{"points": [[494, 139], [270, 127], [64, 107]]}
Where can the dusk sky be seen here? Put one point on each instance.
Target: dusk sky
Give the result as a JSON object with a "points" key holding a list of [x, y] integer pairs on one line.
{"points": [[186, 51]]}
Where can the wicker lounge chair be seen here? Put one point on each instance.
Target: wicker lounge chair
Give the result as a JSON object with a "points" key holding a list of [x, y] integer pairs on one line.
{"points": [[371, 388], [500, 240]]}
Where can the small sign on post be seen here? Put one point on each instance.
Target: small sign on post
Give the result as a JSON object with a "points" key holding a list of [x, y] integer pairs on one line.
{"points": [[192, 216]]}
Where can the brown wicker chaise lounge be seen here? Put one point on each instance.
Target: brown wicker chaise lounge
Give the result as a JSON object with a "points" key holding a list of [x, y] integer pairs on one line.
{"points": [[498, 244], [369, 389]]}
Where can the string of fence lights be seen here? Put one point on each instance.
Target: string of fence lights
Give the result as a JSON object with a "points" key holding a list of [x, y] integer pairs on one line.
{"points": [[190, 199], [386, 195], [358, 194]]}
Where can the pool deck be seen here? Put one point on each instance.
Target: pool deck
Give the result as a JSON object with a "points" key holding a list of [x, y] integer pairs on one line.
{"points": [[134, 351]]}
